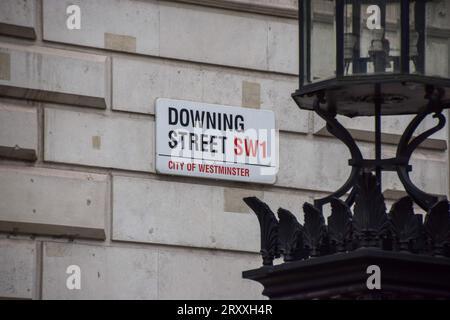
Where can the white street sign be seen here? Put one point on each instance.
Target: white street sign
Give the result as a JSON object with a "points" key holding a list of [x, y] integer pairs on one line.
{"points": [[215, 141]]}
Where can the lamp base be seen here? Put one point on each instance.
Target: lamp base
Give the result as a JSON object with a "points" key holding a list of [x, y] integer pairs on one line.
{"points": [[346, 276]]}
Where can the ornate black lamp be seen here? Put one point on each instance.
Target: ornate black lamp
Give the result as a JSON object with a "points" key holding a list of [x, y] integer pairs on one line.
{"points": [[366, 58]]}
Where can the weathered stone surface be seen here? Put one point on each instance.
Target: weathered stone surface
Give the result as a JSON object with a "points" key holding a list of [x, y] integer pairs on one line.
{"points": [[106, 272], [154, 79], [232, 199], [53, 202], [18, 132], [17, 18], [147, 273], [199, 274], [179, 31], [17, 268], [437, 53], [283, 47], [113, 141], [54, 75], [154, 211], [121, 25], [187, 32]]}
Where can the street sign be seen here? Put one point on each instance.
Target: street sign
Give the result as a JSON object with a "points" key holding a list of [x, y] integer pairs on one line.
{"points": [[215, 141]]}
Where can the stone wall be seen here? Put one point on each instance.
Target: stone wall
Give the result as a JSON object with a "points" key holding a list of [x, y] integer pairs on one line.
{"points": [[77, 176]]}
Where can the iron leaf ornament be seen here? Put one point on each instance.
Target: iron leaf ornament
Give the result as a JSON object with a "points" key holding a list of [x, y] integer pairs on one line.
{"points": [[370, 219], [291, 234], [437, 226], [269, 229], [405, 225], [340, 224], [315, 229]]}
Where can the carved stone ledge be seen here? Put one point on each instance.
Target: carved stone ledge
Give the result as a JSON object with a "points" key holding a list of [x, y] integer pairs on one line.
{"points": [[285, 11]]}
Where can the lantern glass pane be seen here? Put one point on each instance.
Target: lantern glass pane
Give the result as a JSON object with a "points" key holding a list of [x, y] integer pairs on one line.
{"points": [[372, 37], [323, 41], [437, 40], [417, 37]]}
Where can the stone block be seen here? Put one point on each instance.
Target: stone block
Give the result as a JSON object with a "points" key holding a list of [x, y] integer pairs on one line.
{"points": [[106, 272], [17, 269], [213, 36], [53, 202], [167, 79], [114, 141], [318, 164], [186, 214], [45, 74], [18, 18], [178, 31], [199, 274], [120, 25], [18, 132]]}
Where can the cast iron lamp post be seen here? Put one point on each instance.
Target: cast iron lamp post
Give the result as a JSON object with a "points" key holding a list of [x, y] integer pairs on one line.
{"points": [[366, 58]]}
